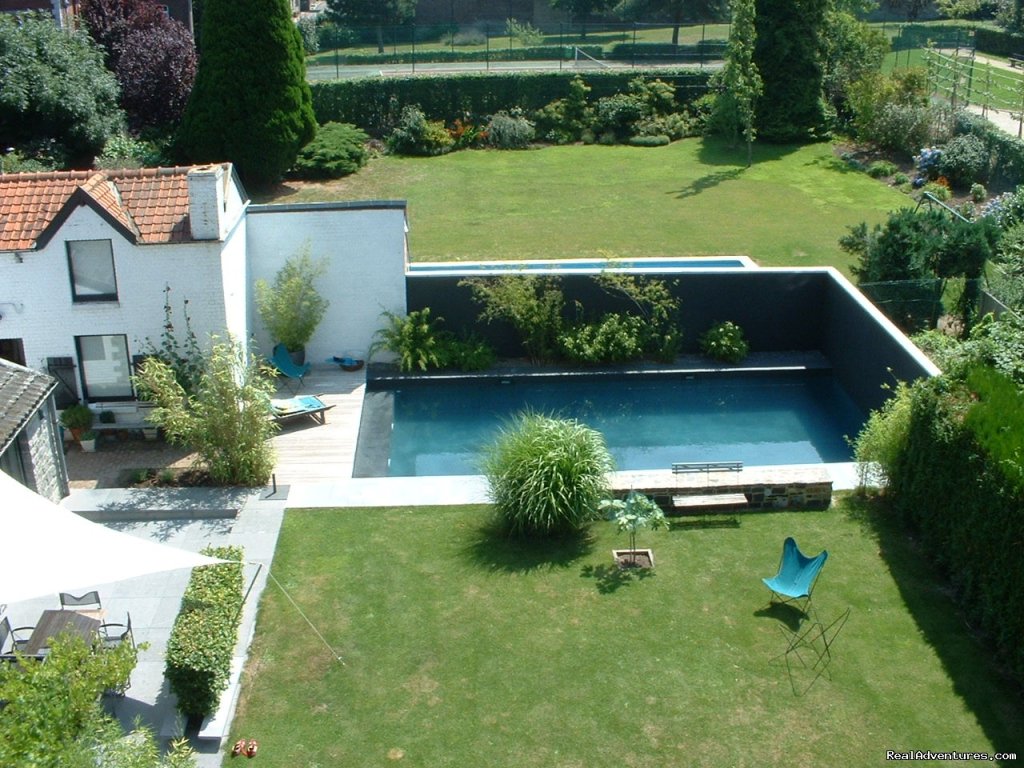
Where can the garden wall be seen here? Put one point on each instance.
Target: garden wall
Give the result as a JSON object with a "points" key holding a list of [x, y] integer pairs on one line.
{"points": [[780, 310]]}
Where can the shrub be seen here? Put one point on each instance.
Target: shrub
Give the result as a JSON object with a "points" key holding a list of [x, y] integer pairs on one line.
{"points": [[77, 417], [978, 193], [531, 304], [965, 160], [415, 339], [563, 121], [523, 32], [928, 162], [415, 135], [337, 150], [899, 179], [675, 126], [292, 308], [616, 338], [310, 37], [468, 36], [617, 114], [650, 141], [509, 131], [546, 476], [204, 634], [878, 446], [941, 191], [901, 127], [124, 151], [466, 134], [469, 353], [724, 341], [881, 168]]}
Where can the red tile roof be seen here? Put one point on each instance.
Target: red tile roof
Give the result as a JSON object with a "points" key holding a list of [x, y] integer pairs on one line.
{"points": [[148, 205]]}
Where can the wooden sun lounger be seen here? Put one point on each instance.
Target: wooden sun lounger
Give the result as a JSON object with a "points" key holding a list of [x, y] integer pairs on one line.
{"points": [[304, 405]]}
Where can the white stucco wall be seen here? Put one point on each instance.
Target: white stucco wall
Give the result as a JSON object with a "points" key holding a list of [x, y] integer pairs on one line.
{"points": [[49, 320], [365, 244]]}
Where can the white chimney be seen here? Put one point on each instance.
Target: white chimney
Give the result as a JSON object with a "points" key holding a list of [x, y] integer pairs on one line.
{"points": [[206, 202]]}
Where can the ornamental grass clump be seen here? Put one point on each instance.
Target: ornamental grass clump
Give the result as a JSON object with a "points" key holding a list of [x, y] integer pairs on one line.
{"points": [[547, 476]]}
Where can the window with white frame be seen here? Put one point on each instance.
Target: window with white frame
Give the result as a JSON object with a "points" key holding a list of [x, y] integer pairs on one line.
{"points": [[106, 372], [91, 263]]}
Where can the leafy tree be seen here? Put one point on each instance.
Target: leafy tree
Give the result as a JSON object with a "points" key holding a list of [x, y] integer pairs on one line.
{"points": [[157, 70], [740, 79], [251, 103], [372, 13], [581, 10], [677, 11], [54, 88], [787, 53], [53, 716], [226, 421], [853, 51]]}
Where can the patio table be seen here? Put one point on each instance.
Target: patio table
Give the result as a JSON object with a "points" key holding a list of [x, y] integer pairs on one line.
{"points": [[52, 622]]}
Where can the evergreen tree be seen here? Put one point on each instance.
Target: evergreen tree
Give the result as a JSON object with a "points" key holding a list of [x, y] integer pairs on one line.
{"points": [[788, 54], [251, 103], [581, 10]]}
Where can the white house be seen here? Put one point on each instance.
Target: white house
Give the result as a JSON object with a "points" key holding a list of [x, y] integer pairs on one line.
{"points": [[86, 258]]}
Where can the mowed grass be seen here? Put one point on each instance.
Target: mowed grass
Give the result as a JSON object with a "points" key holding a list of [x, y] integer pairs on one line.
{"points": [[465, 649], [691, 198]]}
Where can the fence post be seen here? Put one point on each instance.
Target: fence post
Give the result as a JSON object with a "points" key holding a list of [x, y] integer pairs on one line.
{"points": [[487, 46]]}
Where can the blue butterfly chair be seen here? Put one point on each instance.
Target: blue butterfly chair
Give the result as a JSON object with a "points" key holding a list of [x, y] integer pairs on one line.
{"points": [[797, 574], [283, 362]]}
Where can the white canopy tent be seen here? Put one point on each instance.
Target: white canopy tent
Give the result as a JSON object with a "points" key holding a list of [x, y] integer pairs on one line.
{"points": [[47, 549]]}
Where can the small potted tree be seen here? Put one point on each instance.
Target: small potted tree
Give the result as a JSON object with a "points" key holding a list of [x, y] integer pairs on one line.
{"points": [[88, 441], [630, 515], [77, 419], [291, 308]]}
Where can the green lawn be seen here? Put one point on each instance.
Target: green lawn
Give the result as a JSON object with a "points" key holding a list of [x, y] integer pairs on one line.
{"points": [[693, 197], [461, 649]]}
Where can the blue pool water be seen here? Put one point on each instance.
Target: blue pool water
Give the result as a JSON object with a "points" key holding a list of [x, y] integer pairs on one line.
{"points": [[648, 422], [580, 265]]}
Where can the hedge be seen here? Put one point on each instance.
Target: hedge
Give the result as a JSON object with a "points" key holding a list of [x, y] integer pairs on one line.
{"points": [[537, 53], [921, 35], [952, 487], [204, 635], [1006, 152], [705, 49], [375, 103], [998, 42]]}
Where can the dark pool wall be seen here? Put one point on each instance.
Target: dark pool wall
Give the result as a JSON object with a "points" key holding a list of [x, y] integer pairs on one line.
{"points": [[779, 310]]}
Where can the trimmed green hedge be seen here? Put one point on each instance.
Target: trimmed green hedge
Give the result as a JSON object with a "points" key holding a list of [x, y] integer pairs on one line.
{"points": [[998, 42], [952, 484], [536, 53], [375, 104], [203, 638], [1006, 152], [707, 49]]}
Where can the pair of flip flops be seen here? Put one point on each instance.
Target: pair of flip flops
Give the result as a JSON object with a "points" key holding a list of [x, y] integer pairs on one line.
{"points": [[243, 747]]}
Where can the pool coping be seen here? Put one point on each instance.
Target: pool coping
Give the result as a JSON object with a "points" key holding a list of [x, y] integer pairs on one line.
{"points": [[382, 379]]}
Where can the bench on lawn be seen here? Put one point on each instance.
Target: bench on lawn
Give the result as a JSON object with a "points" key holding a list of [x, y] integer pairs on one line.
{"points": [[708, 501], [1016, 59]]}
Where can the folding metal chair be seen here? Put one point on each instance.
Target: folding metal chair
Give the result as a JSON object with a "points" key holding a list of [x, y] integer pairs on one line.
{"points": [[89, 604]]}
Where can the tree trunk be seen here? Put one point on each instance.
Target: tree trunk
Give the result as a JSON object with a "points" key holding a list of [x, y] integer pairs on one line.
{"points": [[380, 39]]}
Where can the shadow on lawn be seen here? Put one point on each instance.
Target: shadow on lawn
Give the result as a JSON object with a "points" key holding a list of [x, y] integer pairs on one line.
{"points": [[494, 549], [610, 578], [984, 688]]}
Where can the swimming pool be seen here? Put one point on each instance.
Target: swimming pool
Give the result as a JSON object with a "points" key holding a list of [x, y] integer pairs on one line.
{"points": [[665, 264], [648, 421]]}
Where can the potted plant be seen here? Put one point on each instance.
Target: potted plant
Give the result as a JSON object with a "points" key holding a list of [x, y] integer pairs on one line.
{"points": [[291, 308], [635, 512], [77, 418], [88, 441]]}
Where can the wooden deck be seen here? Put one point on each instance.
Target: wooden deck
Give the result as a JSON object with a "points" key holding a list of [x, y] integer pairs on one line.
{"points": [[308, 452]]}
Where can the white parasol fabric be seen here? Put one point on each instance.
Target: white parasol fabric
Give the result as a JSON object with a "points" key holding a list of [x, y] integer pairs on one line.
{"points": [[46, 549]]}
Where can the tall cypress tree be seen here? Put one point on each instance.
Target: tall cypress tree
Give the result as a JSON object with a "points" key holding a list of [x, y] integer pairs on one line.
{"points": [[251, 103], [788, 54]]}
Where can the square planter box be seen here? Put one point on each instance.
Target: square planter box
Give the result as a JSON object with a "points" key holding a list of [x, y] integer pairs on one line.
{"points": [[633, 558]]}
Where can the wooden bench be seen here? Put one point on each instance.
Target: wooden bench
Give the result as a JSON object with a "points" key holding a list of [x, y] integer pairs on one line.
{"points": [[708, 501], [1016, 59]]}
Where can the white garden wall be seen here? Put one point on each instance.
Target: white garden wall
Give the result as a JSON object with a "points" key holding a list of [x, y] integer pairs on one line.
{"points": [[365, 245]]}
